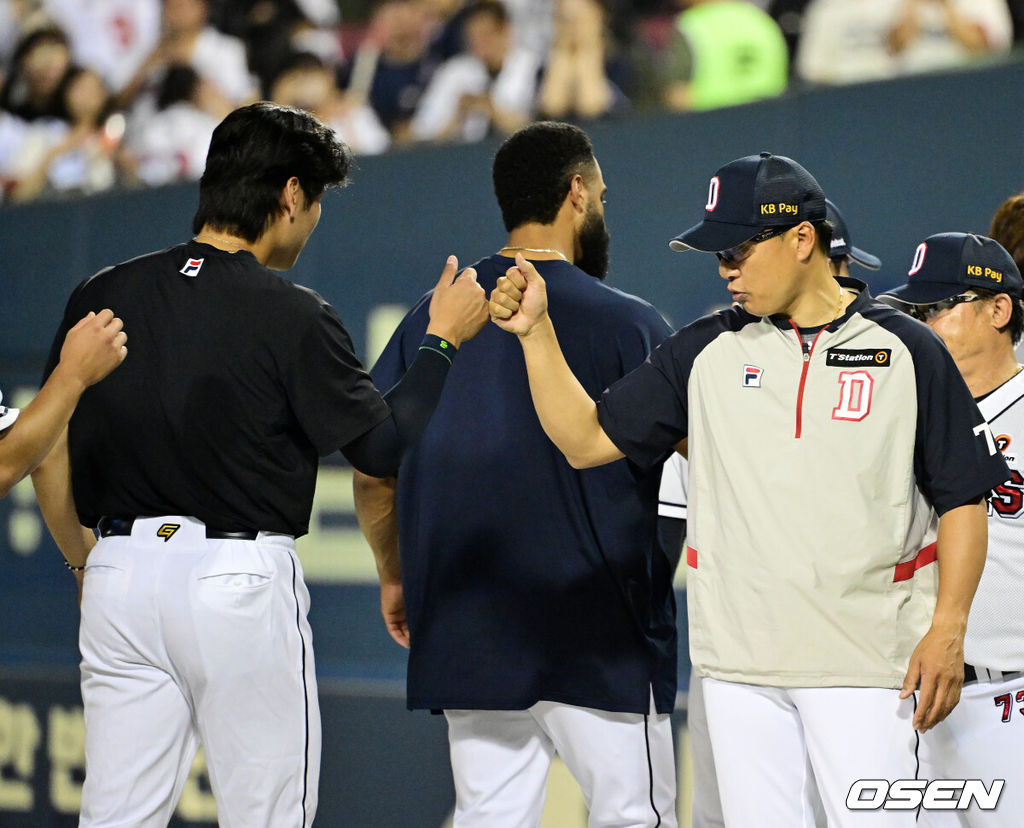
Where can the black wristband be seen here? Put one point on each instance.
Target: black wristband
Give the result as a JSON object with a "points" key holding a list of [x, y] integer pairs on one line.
{"points": [[67, 563], [431, 342]]}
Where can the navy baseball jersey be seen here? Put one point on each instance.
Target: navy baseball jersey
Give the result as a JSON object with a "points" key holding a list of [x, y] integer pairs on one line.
{"points": [[524, 579]]}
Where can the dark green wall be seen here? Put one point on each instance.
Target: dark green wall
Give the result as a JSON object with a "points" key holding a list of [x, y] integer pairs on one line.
{"points": [[903, 159]]}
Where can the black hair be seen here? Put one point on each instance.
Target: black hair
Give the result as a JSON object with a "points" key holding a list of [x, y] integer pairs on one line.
{"points": [[824, 231], [14, 94], [253, 153], [36, 36], [180, 83], [533, 170], [1016, 324]]}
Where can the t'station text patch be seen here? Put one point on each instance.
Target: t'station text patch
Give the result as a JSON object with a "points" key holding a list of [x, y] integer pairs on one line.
{"points": [[847, 357]]}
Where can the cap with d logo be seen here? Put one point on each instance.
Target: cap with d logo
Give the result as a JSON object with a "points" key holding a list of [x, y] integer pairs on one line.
{"points": [[749, 194], [948, 263]]}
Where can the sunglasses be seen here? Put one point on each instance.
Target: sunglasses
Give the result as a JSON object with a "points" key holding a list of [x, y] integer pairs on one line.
{"points": [[925, 313], [735, 255]]}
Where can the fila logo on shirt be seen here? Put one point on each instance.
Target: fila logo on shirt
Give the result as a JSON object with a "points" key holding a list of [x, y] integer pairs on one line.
{"points": [[191, 267], [752, 376]]}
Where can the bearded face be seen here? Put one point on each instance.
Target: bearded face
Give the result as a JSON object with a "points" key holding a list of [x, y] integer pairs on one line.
{"points": [[592, 244]]}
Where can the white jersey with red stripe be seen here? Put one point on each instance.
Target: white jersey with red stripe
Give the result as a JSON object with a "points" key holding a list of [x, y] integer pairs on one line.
{"points": [[995, 629], [981, 738]]}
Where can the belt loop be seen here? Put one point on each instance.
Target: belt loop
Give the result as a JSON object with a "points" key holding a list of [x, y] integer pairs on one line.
{"points": [[975, 673], [108, 526]]}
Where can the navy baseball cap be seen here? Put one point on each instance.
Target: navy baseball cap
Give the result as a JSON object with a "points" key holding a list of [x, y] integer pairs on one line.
{"points": [[749, 194], [948, 263], [841, 248]]}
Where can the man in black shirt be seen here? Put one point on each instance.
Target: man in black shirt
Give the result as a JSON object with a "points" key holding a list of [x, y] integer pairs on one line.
{"points": [[197, 464]]}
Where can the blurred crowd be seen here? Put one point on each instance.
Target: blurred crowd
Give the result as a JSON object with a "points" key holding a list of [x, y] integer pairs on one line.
{"points": [[95, 93]]}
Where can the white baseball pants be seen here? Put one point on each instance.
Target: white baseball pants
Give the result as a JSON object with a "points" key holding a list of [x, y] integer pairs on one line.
{"points": [[623, 762], [983, 738], [187, 640], [707, 807], [776, 749]]}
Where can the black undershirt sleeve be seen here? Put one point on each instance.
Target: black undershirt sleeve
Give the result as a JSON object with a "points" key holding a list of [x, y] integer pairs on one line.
{"points": [[378, 452]]}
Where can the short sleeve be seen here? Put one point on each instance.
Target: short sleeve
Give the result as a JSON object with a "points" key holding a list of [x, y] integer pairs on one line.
{"points": [[72, 314], [55, 347], [649, 330], [644, 413], [331, 395]]}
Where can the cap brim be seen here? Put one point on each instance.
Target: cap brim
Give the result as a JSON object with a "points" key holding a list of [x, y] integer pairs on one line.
{"points": [[712, 236], [924, 293], [864, 259], [8, 416]]}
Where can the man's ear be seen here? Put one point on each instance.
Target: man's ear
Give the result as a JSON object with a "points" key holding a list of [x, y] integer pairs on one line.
{"points": [[1002, 310], [577, 193], [806, 240], [291, 197]]}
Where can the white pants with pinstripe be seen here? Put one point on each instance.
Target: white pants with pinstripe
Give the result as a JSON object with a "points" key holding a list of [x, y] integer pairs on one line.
{"points": [[623, 762], [184, 641]]}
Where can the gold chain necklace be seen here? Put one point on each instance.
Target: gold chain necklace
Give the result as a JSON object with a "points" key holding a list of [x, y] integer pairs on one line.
{"points": [[558, 253], [839, 305]]}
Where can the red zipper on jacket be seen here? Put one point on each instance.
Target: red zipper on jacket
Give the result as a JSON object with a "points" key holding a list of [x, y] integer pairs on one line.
{"points": [[803, 374]]}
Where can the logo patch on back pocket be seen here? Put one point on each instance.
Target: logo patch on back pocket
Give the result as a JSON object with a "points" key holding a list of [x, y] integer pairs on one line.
{"points": [[167, 531]]}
